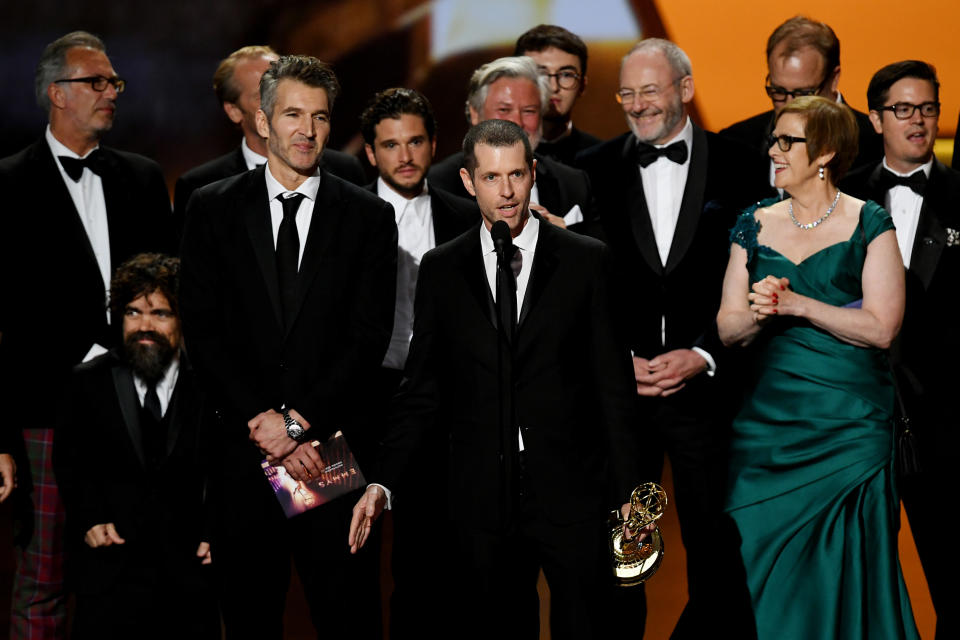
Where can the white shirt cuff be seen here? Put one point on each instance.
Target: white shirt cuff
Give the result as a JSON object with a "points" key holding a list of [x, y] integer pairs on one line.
{"points": [[386, 492], [711, 363]]}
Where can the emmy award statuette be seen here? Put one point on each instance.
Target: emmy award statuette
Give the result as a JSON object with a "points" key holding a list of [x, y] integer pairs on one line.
{"points": [[637, 558]]}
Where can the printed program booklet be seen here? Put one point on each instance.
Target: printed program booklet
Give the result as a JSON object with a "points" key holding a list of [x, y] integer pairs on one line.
{"points": [[340, 475]]}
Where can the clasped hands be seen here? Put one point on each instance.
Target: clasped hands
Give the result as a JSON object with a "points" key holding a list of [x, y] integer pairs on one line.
{"points": [[668, 372], [770, 297], [269, 433]]}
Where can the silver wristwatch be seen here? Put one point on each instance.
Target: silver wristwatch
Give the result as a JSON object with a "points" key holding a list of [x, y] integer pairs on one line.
{"points": [[294, 429]]}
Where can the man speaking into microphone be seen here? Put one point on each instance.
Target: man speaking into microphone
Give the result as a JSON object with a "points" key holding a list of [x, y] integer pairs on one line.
{"points": [[535, 399]]}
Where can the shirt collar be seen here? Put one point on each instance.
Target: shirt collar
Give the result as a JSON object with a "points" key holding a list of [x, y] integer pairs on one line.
{"points": [[526, 241], [926, 168], [399, 203], [308, 187], [60, 149], [251, 157]]}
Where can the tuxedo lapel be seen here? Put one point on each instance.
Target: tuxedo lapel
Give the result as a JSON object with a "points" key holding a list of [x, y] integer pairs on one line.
{"points": [[129, 406], [328, 212], [182, 404], [256, 215], [636, 206], [691, 206], [931, 237], [475, 276]]}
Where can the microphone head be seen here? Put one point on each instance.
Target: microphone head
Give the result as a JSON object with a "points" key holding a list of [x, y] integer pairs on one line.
{"points": [[500, 232]]}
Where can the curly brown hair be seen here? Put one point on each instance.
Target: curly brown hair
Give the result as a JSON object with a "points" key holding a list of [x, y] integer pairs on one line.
{"points": [[143, 274]]}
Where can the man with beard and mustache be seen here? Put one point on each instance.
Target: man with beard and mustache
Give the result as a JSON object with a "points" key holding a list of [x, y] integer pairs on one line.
{"points": [[399, 129], [668, 192], [73, 210], [131, 461], [561, 57]]}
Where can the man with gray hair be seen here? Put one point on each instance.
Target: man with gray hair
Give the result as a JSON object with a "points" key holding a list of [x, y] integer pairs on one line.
{"points": [[287, 294], [669, 192], [76, 209], [237, 85], [512, 89]]}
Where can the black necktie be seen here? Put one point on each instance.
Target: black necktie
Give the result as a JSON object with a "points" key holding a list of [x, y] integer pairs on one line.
{"points": [[916, 181], [151, 402], [647, 154], [74, 166], [507, 291], [288, 255]]}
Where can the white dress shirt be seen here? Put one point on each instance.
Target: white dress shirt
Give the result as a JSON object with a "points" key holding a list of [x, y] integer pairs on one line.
{"points": [[165, 385], [252, 158], [904, 205], [527, 243], [308, 188], [415, 236], [87, 196], [664, 182]]}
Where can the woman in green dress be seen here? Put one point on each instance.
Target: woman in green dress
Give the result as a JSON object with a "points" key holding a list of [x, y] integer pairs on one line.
{"points": [[815, 287]]}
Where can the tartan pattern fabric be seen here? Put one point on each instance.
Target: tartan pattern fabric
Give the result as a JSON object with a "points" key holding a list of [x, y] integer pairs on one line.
{"points": [[39, 603]]}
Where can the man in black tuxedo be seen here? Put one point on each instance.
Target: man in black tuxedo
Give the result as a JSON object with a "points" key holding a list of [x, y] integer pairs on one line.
{"points": [[535, 409], [399, 129], [803, 59], [74, 210], [287, 295], [237, 85], [669, 192], [131, 459], [561, 57], [513, 89], [922, 196]]}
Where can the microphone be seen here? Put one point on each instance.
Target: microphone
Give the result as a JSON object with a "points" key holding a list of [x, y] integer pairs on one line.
{"points": [[500, 232]]}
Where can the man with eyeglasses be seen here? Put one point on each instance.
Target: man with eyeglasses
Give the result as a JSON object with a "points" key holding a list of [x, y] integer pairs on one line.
{"points": [[75, 210], [803, 59], [922, 196], [668, 193], [561, 57], [512, 88]]}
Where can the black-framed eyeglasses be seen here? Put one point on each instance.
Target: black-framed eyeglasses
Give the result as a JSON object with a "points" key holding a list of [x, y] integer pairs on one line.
{"points": [[99, 83], [780, 94], [783, 141], [565, 78], [905, 110]]}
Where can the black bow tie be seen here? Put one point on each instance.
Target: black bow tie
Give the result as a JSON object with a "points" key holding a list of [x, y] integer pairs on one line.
{"points": [[916, 181], [74, 166], [647, 154]]}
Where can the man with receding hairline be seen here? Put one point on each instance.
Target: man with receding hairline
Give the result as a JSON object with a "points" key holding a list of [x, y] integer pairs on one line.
{"points": [[803, 58], [74, 210]]}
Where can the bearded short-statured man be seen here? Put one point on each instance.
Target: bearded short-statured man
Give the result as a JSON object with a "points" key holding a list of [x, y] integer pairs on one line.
{"points": [[132, 455], [74, 211], [287, 295]]}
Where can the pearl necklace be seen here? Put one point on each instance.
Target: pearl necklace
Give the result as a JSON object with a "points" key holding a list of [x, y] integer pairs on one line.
{"points": [[811, 225]]}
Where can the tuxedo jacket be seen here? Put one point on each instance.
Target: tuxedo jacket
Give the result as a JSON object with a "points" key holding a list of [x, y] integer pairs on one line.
{"points": [[560, 187], [572, 386], [104, 477], [342, 165], [566, 149], [452, 215], [754, 132], [52, 300], [248, 360], [722, 178], [928, 338]]}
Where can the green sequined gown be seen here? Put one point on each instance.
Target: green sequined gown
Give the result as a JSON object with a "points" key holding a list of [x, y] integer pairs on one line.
{"points": [[811, 478]]}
